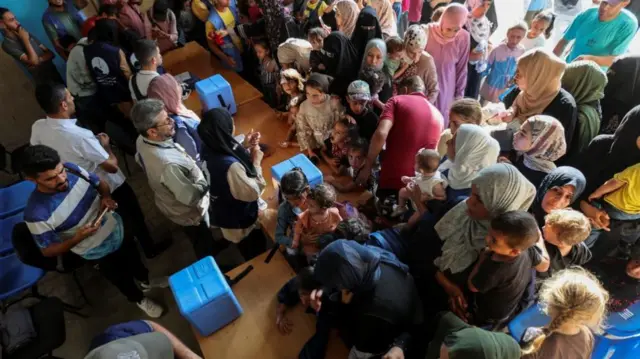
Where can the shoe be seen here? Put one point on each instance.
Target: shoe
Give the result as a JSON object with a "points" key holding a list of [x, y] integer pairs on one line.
{"points": [[161, 282], [151, 308], [398, 210], [158, 248]]}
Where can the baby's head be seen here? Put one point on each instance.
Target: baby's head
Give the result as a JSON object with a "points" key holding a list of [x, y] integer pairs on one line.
{"points": [[353, 229], [306, 283], [294, 187], [516, 33], [321, 198], [342, 131], [395, 48], [358, 151], [565, 227], [374, 78], [511, 233], [316, 37], [358, 96], [542, 23], [427, 161], [464, 110]]}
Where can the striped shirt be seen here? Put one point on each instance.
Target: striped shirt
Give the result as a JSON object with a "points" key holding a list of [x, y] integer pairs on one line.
{"points": [[56, 217]]}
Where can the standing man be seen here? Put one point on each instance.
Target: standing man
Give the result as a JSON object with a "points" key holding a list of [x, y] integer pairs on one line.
{"points": [[179, 185], [62, 25], [600, 34], [131, 17], [27, 49], [63, 214], [148, 55]]}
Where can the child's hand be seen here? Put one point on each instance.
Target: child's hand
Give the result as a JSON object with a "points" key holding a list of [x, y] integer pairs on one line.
{"points": [[350, 119], [406, 179], [593, 196], [283, 323]]}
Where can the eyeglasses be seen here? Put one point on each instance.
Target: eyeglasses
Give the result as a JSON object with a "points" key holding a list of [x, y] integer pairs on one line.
{"points": [[168, 122]]}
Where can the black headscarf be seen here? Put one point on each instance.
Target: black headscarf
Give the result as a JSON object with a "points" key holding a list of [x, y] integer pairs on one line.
{"points": [[339, 56], [367, 28], [622, 92], [559, 177], [106, 30], [216, 132]]}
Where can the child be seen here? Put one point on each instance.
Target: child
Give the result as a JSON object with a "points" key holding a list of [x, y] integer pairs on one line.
{"points": [[576, 303], [297, 290], [564, 232], [292, 84], [395, 61], [254, 11], [268, 69], [540, 30], [294, 187], [358, 150], [463, 110], [358, 99], [376, 80], [317, 115], [621, 195], [503, 271], [431, 182], [320, 217], [316, 37], [335, 147], [502, 63], [534, 8]]}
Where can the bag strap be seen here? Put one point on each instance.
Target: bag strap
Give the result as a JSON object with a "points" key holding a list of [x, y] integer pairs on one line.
{"points": [[79, 174], [136, 88]]}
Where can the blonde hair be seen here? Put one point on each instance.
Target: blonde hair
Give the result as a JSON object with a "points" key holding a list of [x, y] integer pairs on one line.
{"points": [[570, 226], [428, 160], [521, 25], [572, 296], [293, 75]]}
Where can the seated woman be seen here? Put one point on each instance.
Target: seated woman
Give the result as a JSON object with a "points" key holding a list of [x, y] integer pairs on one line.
{"points": [[166, 89], [541, 141], [236, 181], [558, 190]]}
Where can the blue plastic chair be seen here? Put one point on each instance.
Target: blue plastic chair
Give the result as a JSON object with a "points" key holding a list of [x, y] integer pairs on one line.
{"points": [[16, 276], [6, 231], [14, 198]]}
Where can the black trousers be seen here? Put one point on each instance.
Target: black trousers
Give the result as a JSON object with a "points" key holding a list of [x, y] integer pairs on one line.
{"points": [[202, 240], [129, 210], [252, 245], [122, 267]]}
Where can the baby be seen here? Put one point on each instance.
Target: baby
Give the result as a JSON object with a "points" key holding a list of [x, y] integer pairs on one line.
{"points": [[428, 179], [335, 147], [395, 61], [358, 149]]}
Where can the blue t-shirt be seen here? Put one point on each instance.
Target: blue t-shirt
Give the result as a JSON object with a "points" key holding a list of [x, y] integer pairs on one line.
{"points": [[597, 38], [537, 5]]}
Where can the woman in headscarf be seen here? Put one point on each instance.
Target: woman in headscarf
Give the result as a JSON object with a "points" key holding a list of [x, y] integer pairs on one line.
{"points": [[558, 190], [422, 64], [622, 92], [236, 181], [449, 45], [367, 28], [340, 61], [586, 82], [346, 12], [539, 92], [479, 27], [373, 58], [540, 141], [388, 21], [382, 301], [294, 54], [166, 89]]}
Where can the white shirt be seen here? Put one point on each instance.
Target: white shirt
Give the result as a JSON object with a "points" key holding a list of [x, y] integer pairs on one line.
{"points": [[533, 43], [143, 79], [76, 145]]}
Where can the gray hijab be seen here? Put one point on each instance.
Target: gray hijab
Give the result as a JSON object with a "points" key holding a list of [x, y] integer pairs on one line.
{"points": [[502, 188]]}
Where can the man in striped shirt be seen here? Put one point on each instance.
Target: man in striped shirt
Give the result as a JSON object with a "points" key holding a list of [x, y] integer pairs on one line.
{"points": [[62, 214]]}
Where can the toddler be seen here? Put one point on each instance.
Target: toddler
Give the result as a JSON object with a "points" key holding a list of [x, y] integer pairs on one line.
{"points": [[430, 181], [576, 303], [359, 111], [320, 217], [335, 147], [316, 37], [540, 30], [358, 149], [292, 84], [503, 272], [294, 188], [395, 62], [254, 11], [621, 194], [316, 116], [376, 79], [268, 70], [564, 232], [502, 63]]}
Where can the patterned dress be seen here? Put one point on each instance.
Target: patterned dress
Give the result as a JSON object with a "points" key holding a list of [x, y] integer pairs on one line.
{"points": [[500, 71]]}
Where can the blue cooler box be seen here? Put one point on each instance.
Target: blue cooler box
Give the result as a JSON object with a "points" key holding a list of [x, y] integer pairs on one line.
{"points": [[203, 296], [314, 176], [215, 92]]}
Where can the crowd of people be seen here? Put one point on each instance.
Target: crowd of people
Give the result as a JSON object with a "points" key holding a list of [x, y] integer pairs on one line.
{"points": [[499, 173]]}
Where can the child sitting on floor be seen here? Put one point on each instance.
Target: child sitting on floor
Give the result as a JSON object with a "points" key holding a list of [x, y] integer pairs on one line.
{"points": [[357, 154], [335, 147], [564, 233], [431, 182], [540, 30], [294, 188], [576, 303], [316, 116], [503, 271], [320, 217], [292, 84], [268, 70], [395, 61], [359, 109]]}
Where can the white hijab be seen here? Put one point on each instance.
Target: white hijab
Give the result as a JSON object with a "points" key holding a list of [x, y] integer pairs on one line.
{"points": [[475, 150]]}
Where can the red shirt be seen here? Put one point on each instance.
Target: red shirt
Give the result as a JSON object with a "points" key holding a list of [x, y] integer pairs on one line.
{"points": [[416, 124]]}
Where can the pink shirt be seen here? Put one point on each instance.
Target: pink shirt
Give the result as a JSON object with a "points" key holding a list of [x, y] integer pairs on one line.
{"points": [[416, 124], [415, 10], [132, 18]]}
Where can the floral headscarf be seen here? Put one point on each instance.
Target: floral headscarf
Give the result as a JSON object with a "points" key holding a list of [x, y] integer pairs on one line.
{"points": [[547, 143], [415, 38]]}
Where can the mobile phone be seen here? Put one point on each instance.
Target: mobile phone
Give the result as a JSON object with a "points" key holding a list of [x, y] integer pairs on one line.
{"points": [[99, 218]]}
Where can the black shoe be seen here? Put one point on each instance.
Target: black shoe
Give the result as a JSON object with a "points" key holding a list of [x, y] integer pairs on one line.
{"points": [[158, 248]]}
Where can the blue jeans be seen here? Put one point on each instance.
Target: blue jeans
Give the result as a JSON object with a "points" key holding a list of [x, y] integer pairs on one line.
{"points": [[397, 8]]}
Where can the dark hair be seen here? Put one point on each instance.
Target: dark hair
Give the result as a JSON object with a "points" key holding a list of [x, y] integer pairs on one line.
{"points": [[467, 108], [360, 144], [376, 79], [413, 83], [262, 43], [109, 10], [3, 10], [160, 10], [306, 280], [316, 85], [352, 129], [549, 17], [37, 159], [106, 30], [50, 96], [324, 195], [394, 44], [145, 51], [353, 229], [519, 227], [294, 183]]}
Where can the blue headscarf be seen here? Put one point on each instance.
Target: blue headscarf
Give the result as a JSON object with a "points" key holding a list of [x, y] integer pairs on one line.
{"points": [[561, 176], [349, 265]]}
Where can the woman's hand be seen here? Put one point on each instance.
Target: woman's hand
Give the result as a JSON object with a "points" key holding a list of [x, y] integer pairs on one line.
{"points": [[415, 192], [394, 353], [256, 155], [252, 139], [599, 218], [507, 116], [316, 300]]}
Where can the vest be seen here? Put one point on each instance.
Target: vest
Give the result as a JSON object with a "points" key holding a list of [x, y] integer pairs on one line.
{"points": [[226, 211], [103, 61], [154, 157], [227, 46]]}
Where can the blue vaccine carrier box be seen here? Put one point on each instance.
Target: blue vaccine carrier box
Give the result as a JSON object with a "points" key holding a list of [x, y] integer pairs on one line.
{"points": [[215, 92], [204, 297], [314, 175]]}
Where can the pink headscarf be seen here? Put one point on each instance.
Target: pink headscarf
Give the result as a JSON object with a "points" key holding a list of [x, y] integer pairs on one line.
{"points": [[454, 15], [166, 89]]}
